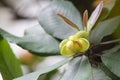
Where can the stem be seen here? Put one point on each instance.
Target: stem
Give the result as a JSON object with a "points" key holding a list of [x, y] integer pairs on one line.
{"points": [[103, 67], [109, 42]]}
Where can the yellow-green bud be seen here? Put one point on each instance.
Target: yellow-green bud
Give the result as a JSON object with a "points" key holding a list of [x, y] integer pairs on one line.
{"points": [[82, 34], [84, 43], [63, 43], [73, 37], [72, 47], [65, 51]]}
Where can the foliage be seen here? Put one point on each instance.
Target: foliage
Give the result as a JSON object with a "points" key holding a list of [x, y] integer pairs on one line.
{"points": [[60, 20], [9, 65]]}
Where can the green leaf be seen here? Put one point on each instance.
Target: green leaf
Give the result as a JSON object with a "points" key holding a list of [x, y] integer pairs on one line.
{"points": [[107, 7], [9, 65], [113, 50], [35, 75], [116, 34], [103, 29], [69, 22], [94, 16], [112, 60], [72, 69], [111, 41], [56, 26], [36, 40], [98, 74], [108, 72], [84, 70], [115, 10], [49, 75], [80, 69]]}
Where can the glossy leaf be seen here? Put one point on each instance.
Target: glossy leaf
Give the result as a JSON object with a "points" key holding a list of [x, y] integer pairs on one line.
{"points": [[9, 65], [112, 61], [36, 40], [56, 26], [80, 69], [35, 75], [103, 29], [94, 16]]}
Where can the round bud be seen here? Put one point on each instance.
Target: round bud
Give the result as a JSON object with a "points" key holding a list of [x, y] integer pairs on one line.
{"points": [[72, 47]]}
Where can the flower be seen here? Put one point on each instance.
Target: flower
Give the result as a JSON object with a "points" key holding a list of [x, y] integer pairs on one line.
{"points": [[79, 42], [75, 44]]}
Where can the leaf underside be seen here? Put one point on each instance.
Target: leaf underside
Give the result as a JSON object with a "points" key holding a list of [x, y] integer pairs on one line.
{"points": [[36, 40], [35, 75]]}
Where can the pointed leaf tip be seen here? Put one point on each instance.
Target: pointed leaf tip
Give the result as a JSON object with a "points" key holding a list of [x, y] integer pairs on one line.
{"points": [[69, 22], [94, 16], [85, 18]]}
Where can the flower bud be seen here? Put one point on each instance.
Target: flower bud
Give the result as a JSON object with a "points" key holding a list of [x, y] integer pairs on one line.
{"points": [[73, 37], [84, 43], [82, 34], [63, 43], [65, 51], [72, 47]]}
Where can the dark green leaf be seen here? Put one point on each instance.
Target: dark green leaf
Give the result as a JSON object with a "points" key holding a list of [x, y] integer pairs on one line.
{"points": [[35, 75], [111, 59], [103, 29], [80, 69], [56, 26], [35, 40], [107, 7], [115, 10], [113, 50], [112, 41], [9, 65]]}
